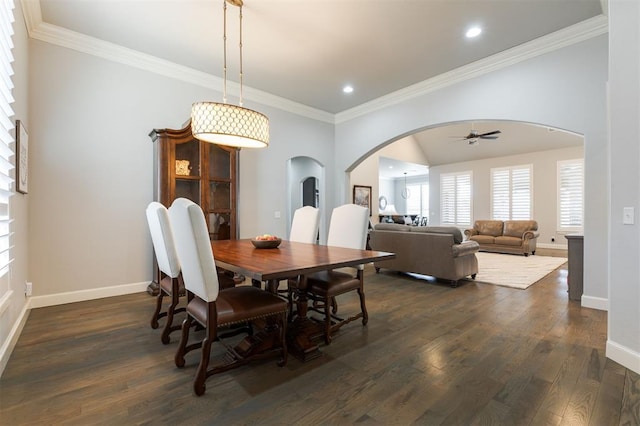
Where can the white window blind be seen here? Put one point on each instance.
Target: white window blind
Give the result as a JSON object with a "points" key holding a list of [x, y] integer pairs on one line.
{"points": [[418, 201], [413, 201], [6, 132], [570, 195], [511, 193], [455, 199]]}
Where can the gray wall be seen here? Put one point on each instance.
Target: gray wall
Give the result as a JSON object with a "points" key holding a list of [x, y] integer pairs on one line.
{"points": [[623, 343], [565, 89], [92, 169]]}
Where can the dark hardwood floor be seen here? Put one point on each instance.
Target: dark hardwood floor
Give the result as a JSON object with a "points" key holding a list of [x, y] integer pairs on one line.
{"points": [[431, 354]]}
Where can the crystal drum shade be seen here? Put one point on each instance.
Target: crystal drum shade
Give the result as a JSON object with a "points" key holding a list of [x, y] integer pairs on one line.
{"points": [[230, 125]]}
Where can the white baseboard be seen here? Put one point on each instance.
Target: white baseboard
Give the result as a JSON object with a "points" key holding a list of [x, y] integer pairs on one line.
{"points": [[82, 295], [623, 356], [12, 339], [552, 246], [598, 303]]}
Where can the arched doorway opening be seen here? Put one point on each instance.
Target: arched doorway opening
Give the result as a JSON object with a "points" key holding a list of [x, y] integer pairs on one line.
{"points": [[306, 187], [444, 149]]}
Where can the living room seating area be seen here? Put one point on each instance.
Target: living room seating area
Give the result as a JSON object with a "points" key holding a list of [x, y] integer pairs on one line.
{"points": [[509, 236], [437, 251]]}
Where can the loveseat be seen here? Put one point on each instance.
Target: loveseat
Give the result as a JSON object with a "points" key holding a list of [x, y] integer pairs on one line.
{"points": [[436, 251], [509, 236]]}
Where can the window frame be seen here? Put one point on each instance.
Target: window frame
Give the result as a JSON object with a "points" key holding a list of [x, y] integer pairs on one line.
{"points": [[492, 190], [568, 229], [456, 176]]}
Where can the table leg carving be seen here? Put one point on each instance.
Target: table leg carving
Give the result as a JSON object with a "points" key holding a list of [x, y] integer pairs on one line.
{"points": [[302, 333]]}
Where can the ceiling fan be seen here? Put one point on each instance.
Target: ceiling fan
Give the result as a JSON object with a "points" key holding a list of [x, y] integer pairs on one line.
{"points": [[473, 137]]}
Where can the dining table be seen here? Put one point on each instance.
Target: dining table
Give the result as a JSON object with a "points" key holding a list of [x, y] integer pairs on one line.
{"points": [[291, 260]]}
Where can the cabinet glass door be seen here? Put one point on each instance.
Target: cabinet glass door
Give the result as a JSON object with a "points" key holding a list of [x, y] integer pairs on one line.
{"points": [[219, 162], [220, 193], [187, 170]]}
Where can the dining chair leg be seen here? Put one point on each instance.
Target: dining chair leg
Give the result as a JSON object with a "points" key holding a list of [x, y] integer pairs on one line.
{"points": [[184, 338], [156, 313], [334, 306], [175, 299], [199, 385], [363, 307]]}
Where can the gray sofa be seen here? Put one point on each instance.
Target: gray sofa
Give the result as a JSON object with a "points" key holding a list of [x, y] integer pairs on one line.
{"points": [[436, 251]]}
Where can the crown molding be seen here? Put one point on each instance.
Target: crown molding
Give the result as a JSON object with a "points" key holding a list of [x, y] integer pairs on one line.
{"points": [[43, 31], [63, 37], [565, 37]]}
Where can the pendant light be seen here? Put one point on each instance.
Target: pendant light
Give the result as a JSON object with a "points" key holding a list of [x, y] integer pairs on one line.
{"points": [[226, 124], [405, 192]]}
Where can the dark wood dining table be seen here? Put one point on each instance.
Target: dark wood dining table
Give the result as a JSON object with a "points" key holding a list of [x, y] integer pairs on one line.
{"points": [[290, 260]]}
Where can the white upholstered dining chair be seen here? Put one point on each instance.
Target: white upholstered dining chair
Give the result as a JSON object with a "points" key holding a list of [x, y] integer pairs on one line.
{"points": [[348, 228], [212, 307], [169, 266], [304, 226]]}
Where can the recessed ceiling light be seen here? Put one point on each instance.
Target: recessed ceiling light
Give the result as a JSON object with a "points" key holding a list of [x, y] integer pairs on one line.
{"points": [[473, 32], [347, 89]]}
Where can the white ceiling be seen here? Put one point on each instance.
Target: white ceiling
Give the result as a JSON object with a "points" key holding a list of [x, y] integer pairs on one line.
{"points": [[304, 51]]}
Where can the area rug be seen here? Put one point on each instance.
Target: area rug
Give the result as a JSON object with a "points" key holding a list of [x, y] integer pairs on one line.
{"points": [[514, 271]]}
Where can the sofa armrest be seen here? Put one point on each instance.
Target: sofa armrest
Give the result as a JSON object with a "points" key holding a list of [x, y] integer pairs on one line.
{"points": [[465, 248], [530, 235], [469, 232]]}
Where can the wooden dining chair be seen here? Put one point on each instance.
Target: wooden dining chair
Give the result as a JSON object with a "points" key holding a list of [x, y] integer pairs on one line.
{"points": [[304, 229], [348, 228], [213, 308], [170, 278], [169, 281]]}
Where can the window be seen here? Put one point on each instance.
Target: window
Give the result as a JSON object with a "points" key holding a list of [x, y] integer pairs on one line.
{"points": [[6, 147], [570, 195], [455, 199], [511, 193], [418, 200]]}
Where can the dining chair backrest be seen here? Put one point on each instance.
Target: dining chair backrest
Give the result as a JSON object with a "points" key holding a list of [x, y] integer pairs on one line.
{"points": [[348, 227], [162, 238], [194, 249], [304, 227]]}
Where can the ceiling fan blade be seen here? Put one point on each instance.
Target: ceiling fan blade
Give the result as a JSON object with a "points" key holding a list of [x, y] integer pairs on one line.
{"points": [[488, 137], [495, 132]]}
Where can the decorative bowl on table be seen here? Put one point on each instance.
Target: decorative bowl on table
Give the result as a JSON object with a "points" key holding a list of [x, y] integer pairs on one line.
{"points": [[266, 241]]}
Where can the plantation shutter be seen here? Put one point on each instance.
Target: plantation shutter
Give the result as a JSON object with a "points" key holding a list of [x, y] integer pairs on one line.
{"points": [[500, 194], [448, 199], [455, 199], [6, 132], [463, 199], [521, 194], [413, 201], [570, 194], [511, 193]]}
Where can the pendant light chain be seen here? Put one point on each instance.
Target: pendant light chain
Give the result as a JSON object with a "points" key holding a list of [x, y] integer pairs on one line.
{"points": [[241, 75], [224, 50]]}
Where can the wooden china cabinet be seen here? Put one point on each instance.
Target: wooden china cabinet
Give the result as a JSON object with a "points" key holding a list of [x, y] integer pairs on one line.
{"points": [[205, 173]]}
